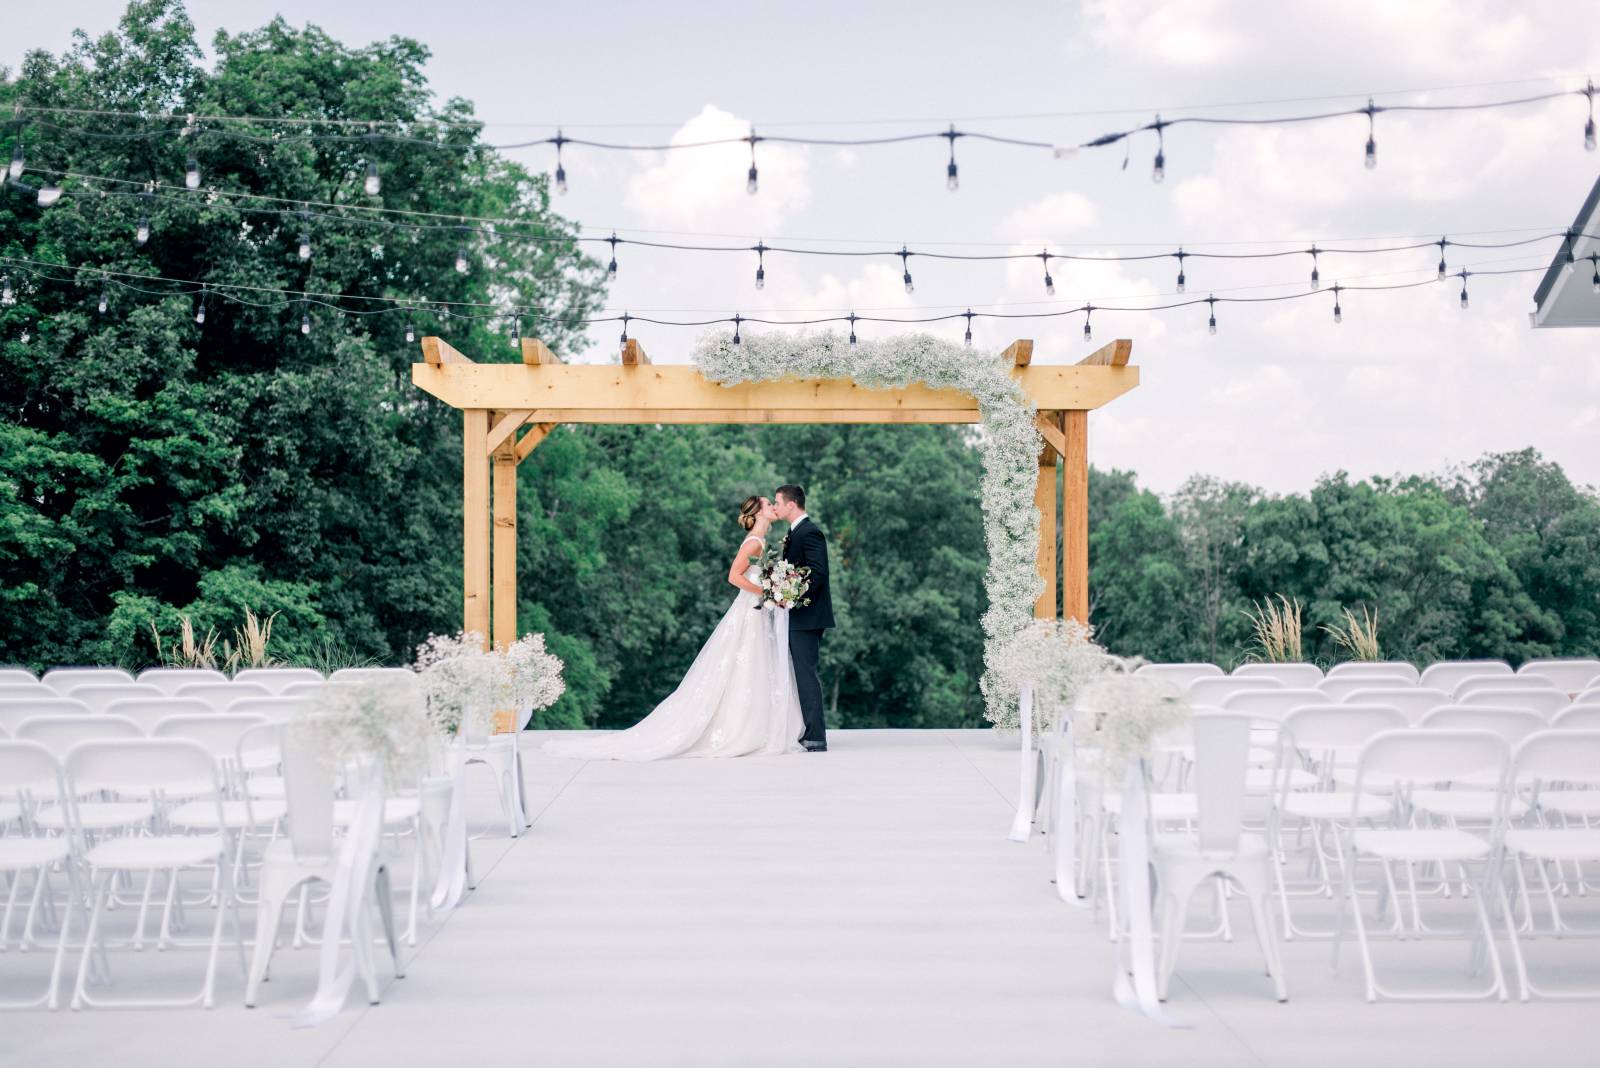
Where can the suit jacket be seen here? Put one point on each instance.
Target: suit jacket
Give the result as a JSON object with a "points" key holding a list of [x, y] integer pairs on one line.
{"points": [[806, 546]]}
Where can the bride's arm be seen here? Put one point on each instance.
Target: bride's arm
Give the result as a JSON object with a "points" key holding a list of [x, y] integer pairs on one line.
{"points": [[737, 569]]}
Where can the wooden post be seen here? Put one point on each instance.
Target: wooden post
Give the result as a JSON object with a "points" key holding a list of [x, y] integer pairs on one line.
{"points": [[504, 548], [1044, 498], [475, 521], [1075, 518]]}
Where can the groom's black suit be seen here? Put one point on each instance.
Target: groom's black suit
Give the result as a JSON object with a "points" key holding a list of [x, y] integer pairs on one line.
{"points": [[807, 547]]}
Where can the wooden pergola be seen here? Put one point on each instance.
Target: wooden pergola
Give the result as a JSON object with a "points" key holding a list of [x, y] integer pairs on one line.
{"points": [[499, 400]]}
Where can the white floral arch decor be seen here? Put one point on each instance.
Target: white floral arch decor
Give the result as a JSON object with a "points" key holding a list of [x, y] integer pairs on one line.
{"points": [[1010, 445]]}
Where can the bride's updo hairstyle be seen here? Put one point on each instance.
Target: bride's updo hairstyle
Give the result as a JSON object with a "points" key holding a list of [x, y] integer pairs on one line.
{"points": [[749, 512]]}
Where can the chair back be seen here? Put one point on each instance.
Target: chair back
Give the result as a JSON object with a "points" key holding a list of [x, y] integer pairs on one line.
{"points": [[1272, 703], [1407, 757], [280, 709], [1340, 729], [1221, 761], [99, 696], [25, 691], [1559, 756], [1340, 687], [148, 711], [1213, 691], [308, 781], [363, 674], [1473, 683], [276, 678], [31, 774], [219, 695], [218, 733], [1448, 674], [1376, 669], [143, 767], [1180, 675], [168, 679], [1546, 702], [1568, 674], [60, 734], [1414, 701], [1578, 717], [14, 713], [15, 676], [1511, 723], [62, 679], [1302, 675], [303, 689]]}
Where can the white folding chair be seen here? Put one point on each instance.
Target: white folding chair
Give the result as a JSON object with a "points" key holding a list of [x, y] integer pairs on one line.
{"points": [[1341, 687], [1297, 675], [1376, 670], [32, 775], [99, 695], [62, 679], [1414, 701], [1545, 702], [1570, 675], [148, 711], [1476, 801], [219, 695], [1544, 759], [60, 734], [150, 767], [1401, 759], [276, 678], [1179, 675], [168, 679], [1446, 675], [308, 853], [1468, 686], [1219, 848], [14, 713], [1213, 691]]}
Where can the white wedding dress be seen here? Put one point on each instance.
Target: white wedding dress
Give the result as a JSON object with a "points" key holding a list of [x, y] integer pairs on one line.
{"points": [[737, 699]]}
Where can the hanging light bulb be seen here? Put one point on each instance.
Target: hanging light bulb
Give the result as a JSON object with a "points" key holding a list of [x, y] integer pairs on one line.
{"points": [[1463, 290], [191, 173], [611, 268], [1049, 283], [1588, 127], [305, 322], [625, 318], [1158, 172], [952, 177], [967, 340], [105, 297], [8, 295], [761, 277], [561, 172], [1182, 281], [1211, 325], [736, 322], [1087, 312], [19, 159], [516, 333], [200, 310], [374, 183], [49, 193], [751, 184], [1596, 259], [305, 245], [905, 268], [1443, 268], [852, 329], [1316, 276], [461, 260], [1372, 142], [142, 233], [1572, 236], [1338, 312], [411, 332], [761, 266]]}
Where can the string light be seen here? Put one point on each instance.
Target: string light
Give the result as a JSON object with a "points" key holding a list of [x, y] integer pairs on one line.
{"points": [[968, 338], [374, 183], [751, 183], [1571, 239], [1182, 282], [626, 318], [49, 193], [1463, 290], [1443, 269], [191, 173], [461, 259], [1372, 142], [1595, 258], [952, 179], [8, 295], [141, 234], [1316, 277], [1338, 312], [761, 268], [1588, 127], [411, 331], [611, 268], [305, 321], [105, 296], [905, 267], [852, 319], [736, 321], [1049, 283], [1088, 310], [516, 333], [1211, 326], [305, 238], [200, 310], [1158, 172], [561, 172]]}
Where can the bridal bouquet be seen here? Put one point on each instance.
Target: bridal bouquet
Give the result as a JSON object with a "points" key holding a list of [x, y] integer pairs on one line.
{"points": [[782, 583]]}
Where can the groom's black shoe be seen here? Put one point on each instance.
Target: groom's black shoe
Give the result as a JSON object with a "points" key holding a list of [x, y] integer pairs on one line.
{"points": [[815, 747]]}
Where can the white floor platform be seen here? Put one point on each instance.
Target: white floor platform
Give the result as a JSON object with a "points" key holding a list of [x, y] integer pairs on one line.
{"points": [[861, 907]]}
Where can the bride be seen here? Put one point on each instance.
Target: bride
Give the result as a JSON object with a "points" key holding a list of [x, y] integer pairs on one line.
{"points": [[738, 697]]}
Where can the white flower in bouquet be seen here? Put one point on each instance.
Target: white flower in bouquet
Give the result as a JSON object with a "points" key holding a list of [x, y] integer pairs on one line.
{"points": [[1058, 658], [782, 583], [384, 720], [1126, 714], [464, 683], [535, 673]]}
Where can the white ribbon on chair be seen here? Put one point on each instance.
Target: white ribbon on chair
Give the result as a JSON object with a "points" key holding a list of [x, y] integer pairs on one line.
{"points": [[1022, 823], [1064, 818], [1136, 954], [351, 880], [453, 852]]}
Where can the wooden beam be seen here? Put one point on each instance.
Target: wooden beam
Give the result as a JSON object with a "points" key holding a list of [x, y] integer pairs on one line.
{"points": [[436, 352], [1044, 498], [575, 389], [506, 427], [1019, 353], [475, 522], [536, 353], [1049, 424], [504, 547], [1075, 518], [1112, 354], [633, 353], [531, 440]]}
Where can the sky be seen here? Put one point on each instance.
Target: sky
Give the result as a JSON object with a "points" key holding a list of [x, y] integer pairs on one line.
{"points": [[1280, 395]]}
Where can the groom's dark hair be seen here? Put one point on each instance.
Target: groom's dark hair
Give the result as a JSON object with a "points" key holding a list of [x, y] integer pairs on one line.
{"points": [[793, 493]]}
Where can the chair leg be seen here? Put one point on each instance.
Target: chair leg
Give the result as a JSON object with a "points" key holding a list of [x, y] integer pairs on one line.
{"points": [[269, 914], [386, 913], [102, 888]]}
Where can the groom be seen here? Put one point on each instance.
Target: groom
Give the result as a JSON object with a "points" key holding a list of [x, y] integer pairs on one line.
{"points": [[805, 546]]}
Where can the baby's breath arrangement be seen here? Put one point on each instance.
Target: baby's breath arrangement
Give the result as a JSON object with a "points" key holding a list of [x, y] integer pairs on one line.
{"points": [[1058, 658], [379, 719], [1125, 714], [464, 684], [535, 673]]}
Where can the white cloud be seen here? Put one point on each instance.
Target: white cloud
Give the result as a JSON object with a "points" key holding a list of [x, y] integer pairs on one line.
{"points": [[1049, 219]]}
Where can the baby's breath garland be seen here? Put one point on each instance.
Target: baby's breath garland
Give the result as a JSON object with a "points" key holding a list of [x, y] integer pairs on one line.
{"points": [[1010, 444]]}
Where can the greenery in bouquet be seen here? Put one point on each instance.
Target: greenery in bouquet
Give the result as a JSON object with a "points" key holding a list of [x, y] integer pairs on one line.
{"points": [[782, 583]]}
